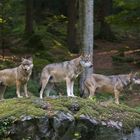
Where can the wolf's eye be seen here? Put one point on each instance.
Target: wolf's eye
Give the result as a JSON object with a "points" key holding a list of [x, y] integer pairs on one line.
{"points": [[25, 65], [87, 60]]}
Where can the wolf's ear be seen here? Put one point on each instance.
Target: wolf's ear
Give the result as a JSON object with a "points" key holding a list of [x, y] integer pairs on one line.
{"points": [[90, 55], [30, 58], [22, 59], [82, 54], [136, 74], [131, 74]]}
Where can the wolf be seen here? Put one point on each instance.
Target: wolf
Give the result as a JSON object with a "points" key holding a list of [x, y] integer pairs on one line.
{"points": [[16, 76], [111, 84], [66, 71]]}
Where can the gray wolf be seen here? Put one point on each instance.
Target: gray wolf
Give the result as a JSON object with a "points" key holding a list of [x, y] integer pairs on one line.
{"points": [[112, 84], [16, 76], [66, 71]]}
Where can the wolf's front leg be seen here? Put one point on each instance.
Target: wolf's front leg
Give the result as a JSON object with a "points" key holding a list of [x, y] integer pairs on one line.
{"points": [[71, 88], [18, 89], [25, 90], [91, 92], [116, 92], [68, 84], [44, 81]]}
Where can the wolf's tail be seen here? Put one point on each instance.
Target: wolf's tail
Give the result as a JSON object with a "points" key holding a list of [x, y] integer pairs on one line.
{"points": [[83, 89], [43, 82], [40, 86]]}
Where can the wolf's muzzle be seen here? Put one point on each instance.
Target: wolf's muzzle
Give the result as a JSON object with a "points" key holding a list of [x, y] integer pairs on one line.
{"points": [[91, 66], [136, 81]]}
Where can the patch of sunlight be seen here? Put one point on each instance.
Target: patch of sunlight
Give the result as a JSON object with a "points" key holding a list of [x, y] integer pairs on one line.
{"points": [[57, 44]]}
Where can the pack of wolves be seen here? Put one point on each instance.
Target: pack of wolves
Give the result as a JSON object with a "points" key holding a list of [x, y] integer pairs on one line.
{"points": [[66, 71]]}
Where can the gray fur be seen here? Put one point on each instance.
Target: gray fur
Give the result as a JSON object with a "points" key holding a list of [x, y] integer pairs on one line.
{"points": [[111, 84], [16, 76], [66, 71]]}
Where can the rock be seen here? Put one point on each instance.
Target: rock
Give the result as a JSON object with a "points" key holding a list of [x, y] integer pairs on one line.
{"points": [[63, 124], [74, 107], [65, 119]]}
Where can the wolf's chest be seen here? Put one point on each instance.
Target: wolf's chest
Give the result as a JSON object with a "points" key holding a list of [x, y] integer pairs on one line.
{"points": [[23, 79]]}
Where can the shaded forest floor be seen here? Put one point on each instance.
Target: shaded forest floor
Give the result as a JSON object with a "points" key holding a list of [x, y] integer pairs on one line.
{"points": [[105, 51]]}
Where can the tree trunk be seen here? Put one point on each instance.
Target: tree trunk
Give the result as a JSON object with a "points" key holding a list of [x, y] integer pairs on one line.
{"points": [[105, 9], [2, 35], [86, 30], [29, 17], [71, 28]]}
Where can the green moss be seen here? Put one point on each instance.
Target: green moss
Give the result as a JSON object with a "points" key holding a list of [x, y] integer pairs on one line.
{"points": [[12, 110], [4, 125], [16, 108]]}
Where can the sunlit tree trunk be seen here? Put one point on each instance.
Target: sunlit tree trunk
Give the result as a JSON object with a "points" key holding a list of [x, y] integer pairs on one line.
{"points": [[86, 31], [29, 17]]}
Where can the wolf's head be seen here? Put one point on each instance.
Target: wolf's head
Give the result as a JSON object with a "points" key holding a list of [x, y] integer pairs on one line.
{"points": [[135, 77], [27, 64], [86, 61]]}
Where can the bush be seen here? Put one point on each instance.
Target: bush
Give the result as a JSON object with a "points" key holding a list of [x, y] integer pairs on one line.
{"points": [[34, 42]]}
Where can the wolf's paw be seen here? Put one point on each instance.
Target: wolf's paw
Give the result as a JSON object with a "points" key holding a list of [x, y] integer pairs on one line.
{"points": [[117, 103], [27, 96], [91, 97], [72, 96], [20, 96], [2, 99], [41, 97]]}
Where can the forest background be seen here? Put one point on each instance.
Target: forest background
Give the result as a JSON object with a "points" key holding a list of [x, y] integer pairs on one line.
{"points": [[49, 31]]}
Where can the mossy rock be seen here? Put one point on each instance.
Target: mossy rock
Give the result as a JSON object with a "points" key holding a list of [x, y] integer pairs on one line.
{"points": [[18, 107], [102, 112]]}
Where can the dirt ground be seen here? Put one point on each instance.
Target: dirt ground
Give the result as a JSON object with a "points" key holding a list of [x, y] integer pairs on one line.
{"points": [[102, 58]]}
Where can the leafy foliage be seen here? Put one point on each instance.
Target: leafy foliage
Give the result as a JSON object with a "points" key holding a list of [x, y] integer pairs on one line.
{"points": [[127, 13]]}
